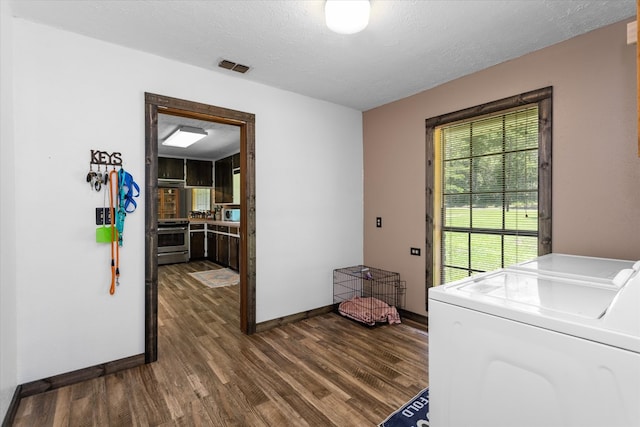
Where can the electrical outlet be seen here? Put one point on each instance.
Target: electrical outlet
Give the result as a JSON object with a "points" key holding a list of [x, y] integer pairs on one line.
{"points": [[379, 222], [415, 251]]}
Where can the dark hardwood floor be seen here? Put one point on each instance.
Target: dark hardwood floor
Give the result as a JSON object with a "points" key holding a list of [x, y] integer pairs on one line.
{"points": [[322, 371]]}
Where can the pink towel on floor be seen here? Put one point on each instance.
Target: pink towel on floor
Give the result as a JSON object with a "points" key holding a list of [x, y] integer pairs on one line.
{"points": [[369, 310]]}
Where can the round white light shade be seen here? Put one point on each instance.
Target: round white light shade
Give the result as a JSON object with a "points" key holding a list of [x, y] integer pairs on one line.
{"points": [[347, 16]]}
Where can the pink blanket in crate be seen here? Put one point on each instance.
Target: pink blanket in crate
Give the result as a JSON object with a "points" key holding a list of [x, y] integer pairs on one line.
{"points": [[369, 310]]}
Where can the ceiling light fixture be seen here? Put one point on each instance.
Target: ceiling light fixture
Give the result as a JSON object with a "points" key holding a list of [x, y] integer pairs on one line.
{"points": [[185, 136], [347, 16]]}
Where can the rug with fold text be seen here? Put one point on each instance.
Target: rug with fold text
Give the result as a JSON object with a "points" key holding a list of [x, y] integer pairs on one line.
{"points": [[414, 413], [217, 278]]}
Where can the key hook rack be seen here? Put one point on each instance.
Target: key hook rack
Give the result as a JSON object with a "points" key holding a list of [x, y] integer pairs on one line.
{"points": [[102, 158]]}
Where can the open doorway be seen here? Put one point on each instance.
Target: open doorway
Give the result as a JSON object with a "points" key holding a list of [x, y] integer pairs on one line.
{"points": [[246, 123]]}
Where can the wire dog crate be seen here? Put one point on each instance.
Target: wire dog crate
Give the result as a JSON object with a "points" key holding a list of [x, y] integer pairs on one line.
{"points": [[369, 295]]}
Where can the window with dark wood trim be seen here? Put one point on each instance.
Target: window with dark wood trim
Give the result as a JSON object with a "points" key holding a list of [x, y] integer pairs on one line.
{"points": [[488, 186]]}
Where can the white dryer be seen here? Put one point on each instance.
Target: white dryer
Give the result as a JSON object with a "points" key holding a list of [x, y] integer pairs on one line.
{"points": [[551, 342]]}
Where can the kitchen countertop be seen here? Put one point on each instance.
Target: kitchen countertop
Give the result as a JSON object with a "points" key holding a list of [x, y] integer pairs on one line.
{"points": [[213, 222]]}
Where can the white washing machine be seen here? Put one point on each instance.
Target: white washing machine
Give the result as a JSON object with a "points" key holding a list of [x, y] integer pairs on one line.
{"points": [[551, 342]]}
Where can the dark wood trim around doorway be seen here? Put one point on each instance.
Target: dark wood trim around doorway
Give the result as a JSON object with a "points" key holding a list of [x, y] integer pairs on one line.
{"points": [[246, 122]]}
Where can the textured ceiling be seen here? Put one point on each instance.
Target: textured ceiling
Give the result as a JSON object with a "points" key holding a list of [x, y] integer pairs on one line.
{"points": [[409, 46]]}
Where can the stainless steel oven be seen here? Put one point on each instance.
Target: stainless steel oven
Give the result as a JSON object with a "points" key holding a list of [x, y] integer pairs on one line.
{"points": [[173, 241]]}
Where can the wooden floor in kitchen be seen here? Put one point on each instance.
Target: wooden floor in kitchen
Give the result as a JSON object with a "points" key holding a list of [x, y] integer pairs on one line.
{"points": [[322, 371]]}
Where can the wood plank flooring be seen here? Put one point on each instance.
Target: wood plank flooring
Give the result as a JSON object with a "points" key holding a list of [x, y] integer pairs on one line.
{"points": [[322, 371]]}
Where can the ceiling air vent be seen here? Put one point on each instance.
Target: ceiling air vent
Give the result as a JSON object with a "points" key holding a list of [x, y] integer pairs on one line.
{"points": [[229, 65]]}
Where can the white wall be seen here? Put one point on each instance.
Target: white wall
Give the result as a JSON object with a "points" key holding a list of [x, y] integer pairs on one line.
{"points": [[74, 94], [8, 340]]}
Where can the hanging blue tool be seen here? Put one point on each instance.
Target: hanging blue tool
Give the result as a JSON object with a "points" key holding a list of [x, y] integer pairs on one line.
{"points": [[127, 191]]}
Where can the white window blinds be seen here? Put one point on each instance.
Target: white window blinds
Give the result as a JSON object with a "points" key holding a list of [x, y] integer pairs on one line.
{"points": [[489, 212]]}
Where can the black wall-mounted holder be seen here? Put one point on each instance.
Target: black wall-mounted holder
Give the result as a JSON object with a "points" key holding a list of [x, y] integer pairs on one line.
{"points": [[103, 216]]}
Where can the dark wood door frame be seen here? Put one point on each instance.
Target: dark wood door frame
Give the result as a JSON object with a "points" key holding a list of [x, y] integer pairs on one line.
{"points": [[246, 122]]}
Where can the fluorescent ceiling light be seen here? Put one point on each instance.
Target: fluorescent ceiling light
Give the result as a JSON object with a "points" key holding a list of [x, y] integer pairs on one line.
{"points": [[347, 16], [184, 136]]}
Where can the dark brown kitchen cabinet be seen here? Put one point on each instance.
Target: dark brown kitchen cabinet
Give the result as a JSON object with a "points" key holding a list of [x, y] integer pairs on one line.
{"points": [[224, 180], [212, 246], [196, 241], [170, 168], [199, 173], [223, 246]]}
